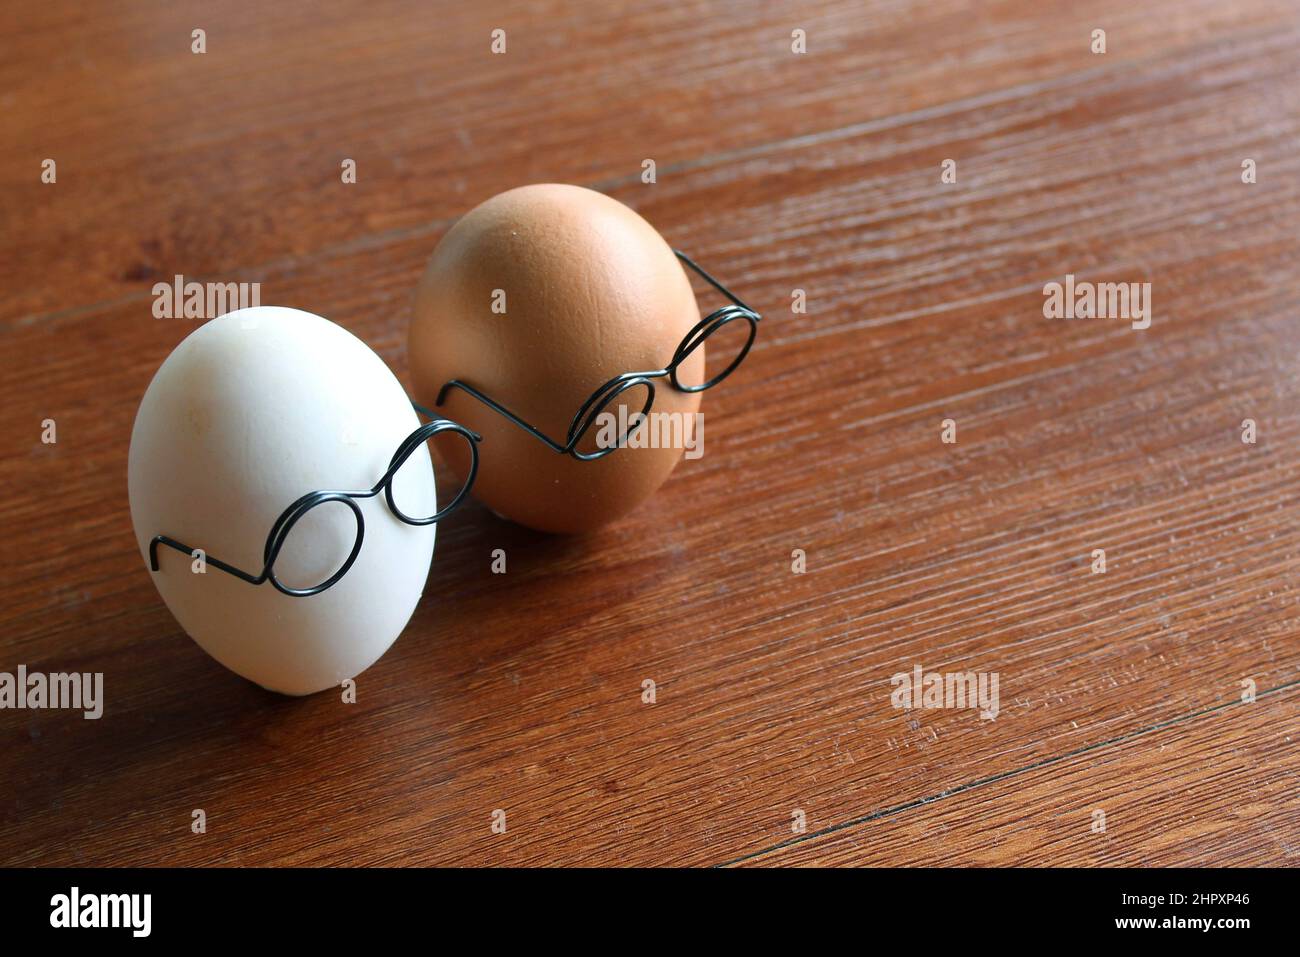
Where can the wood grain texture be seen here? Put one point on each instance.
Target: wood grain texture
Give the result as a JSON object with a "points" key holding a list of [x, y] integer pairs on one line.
{"points": [[778, 172], [1149, 800]]}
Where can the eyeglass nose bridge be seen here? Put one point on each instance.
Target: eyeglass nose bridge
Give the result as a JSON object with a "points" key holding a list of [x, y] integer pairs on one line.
{"points": [[284, 525], [597, 403], [408, 447]]}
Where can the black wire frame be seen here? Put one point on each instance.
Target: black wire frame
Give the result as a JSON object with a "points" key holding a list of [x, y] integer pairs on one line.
{"points": [[279, 533], [607, 393]]}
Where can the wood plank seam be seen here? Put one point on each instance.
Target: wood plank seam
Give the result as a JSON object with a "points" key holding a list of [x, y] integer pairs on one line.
{"points": [[1005, 775]]}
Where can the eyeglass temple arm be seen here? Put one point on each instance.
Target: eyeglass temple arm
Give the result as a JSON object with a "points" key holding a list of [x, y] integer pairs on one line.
{"points": [[207, 559], [699, 271], [500, 410], [428, 414]]}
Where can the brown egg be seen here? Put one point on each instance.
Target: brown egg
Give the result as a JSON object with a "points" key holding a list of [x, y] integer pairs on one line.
{"points": [[537, 298]]}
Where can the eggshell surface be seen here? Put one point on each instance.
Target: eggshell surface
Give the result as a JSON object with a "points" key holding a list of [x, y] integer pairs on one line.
{"points": [[249, 413], [589, 291]]}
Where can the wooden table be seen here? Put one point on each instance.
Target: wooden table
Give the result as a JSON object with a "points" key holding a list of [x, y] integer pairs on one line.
{"points": [[772, 738]]}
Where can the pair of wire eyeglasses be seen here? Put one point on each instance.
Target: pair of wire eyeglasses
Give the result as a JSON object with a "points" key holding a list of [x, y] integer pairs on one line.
{"points": [[290, 517]]}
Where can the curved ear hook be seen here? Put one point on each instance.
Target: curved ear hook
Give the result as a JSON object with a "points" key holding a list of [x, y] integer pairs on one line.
{"points": [[189, 550]]}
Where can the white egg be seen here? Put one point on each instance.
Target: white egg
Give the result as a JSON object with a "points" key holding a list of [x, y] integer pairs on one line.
{"points": [[251, 412]]}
